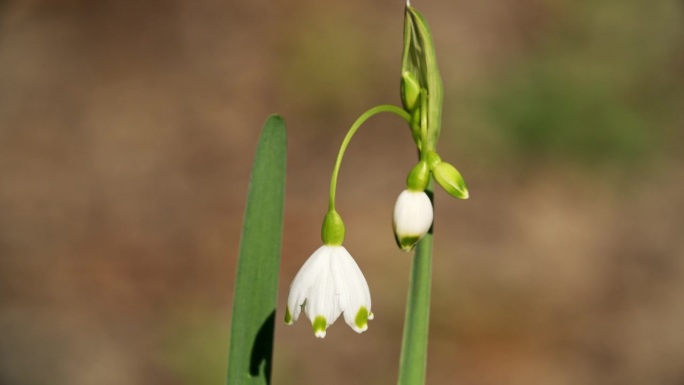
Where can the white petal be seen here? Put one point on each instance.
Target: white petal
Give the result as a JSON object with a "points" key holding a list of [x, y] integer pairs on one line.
{"points": [[322, 300], [353, 290], [304, 281], [412, 218]]}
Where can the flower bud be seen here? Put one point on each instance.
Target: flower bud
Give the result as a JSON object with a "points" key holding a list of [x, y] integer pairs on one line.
{"points": [[410, 91], [450, 179], [412, 218]]}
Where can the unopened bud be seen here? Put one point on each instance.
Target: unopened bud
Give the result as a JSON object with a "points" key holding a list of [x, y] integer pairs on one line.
{"points": [[450, 179], [412, 218], [410, 91]]}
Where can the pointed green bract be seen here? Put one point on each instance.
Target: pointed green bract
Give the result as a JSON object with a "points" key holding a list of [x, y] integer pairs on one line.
{"points": [[419, 60], [256, 282]]}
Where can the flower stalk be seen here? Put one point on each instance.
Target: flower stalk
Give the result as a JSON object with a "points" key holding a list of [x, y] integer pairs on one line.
{"points": [[357, 124], [413, 360]]}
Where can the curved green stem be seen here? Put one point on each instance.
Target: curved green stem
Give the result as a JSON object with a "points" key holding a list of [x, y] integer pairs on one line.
{"points": [[365, 116]]}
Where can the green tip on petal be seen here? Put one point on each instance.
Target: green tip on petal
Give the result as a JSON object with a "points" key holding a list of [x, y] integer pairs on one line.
{"points": [[288, 316], [361, 319], [319, 325], [407, 243]]}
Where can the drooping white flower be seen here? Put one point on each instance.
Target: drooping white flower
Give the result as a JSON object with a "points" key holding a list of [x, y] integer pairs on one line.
{"points": [[328, 284], [412, 218]]}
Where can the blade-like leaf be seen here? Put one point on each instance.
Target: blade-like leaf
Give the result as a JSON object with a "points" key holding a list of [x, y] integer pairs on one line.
{"points": [[256, 283]]}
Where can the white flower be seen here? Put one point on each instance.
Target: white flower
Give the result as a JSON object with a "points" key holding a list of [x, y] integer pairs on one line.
{"points": [[412, 218], [328, 284]]}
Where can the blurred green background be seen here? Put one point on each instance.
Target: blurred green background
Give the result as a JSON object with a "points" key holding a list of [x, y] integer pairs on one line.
{"points": [[127, 131]]}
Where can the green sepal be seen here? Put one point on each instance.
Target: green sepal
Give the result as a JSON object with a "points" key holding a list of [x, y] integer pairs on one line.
{"points": [[332, 231], [419, 177], [451, 180]]}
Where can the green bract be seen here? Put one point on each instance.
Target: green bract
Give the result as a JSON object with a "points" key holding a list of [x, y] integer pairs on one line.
{"points": [[419, 62]]}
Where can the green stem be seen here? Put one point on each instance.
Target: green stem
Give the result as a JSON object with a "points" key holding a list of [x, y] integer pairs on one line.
{"points": [[365, 116], [413, 359], [423, 125]]}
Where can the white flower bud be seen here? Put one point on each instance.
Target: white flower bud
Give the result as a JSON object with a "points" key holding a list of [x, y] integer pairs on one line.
{"points": [[412, 218]]}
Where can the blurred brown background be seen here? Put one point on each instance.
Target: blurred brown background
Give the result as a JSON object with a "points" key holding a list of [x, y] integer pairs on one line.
{"points": [[127, 131]]}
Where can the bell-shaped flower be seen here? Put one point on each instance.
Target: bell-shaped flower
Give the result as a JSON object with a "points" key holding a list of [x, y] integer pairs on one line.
{"points": [[412, 218], [328, 284]]}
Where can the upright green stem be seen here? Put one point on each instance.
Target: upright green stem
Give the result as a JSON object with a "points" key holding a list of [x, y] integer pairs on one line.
{"points": [[424, 125], [413, 359], [373, 111]]}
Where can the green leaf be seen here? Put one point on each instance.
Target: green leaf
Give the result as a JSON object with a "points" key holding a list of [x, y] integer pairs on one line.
{"points": [[256, 284], [413, 359]]}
